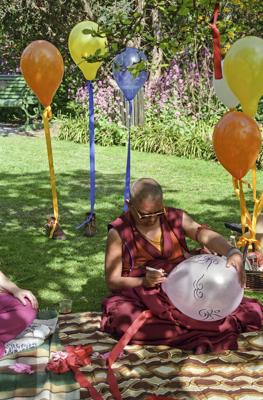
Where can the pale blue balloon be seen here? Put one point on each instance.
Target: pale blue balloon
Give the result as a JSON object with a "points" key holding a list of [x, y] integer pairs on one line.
{"points": [[127, 82]]}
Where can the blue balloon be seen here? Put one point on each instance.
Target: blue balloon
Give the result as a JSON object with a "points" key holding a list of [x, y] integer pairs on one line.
{"points": [[127, 82]]}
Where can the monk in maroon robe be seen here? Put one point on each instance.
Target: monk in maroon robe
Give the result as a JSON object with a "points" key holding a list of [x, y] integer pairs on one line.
{"points": [[151, 235]]}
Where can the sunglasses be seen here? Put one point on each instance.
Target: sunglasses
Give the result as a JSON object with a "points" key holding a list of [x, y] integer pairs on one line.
{"points": [[143, 216]]}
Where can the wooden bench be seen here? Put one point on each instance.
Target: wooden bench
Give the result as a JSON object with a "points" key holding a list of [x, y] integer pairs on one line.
{"points": [[14, 93]]}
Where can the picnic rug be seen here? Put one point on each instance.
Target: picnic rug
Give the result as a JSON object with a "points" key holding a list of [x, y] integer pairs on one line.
{"points": [[41, 385], [143, 373], [159, 372]]}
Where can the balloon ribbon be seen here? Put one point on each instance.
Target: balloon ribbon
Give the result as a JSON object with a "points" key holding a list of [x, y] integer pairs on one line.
{"points": [[245, 215], [119, 346], [89, 88], [47, 114], [128, 163], [74, 358], [216, 44]]}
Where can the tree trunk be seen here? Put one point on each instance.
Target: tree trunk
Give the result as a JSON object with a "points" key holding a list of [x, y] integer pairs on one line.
{"points": [[87, 9], [157, 53], [140, 7]]}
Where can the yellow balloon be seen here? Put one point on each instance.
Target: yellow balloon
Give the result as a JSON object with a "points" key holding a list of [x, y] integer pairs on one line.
{"points": [[243, 69], [82, 43]]}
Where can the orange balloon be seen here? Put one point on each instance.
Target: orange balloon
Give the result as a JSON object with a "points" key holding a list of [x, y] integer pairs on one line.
{"points": [[42, 66], [237, 143]]}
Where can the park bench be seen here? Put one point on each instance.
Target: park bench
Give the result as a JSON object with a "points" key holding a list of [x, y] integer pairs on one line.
{"points": [[14, 93]]}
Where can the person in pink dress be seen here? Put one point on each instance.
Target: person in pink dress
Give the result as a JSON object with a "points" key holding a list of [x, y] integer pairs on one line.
{"points": [[18, 309], [152, 235]]}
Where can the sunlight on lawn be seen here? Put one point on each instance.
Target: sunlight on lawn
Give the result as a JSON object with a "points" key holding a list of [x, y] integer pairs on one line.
{"points": [[75, 268]]}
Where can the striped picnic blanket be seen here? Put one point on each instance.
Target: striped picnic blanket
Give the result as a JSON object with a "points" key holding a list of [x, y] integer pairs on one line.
{"points": [[41, 385], [149, 371]]}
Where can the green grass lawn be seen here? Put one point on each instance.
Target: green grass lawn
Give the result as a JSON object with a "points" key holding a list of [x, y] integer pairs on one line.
{"points": [[74, 268]]}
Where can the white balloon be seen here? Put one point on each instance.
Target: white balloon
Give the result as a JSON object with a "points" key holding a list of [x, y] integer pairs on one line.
{"points": [[203, 288], [224, 93]]}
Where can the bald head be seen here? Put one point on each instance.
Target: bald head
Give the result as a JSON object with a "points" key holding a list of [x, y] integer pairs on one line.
{"points": [[146, 188]]}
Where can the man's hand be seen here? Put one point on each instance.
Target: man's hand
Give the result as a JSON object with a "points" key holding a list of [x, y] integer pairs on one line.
{"points": [[22, 295], [153, 278], [236, 261]]}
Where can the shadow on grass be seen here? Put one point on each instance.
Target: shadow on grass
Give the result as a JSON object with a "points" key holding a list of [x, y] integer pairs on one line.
{"points": [[56, 269], [73, 268]]}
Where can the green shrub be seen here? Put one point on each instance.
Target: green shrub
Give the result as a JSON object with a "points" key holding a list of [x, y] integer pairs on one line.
{"points": [[110, 133], [158, 135], [160, 141], [182, 136], [196, 142], [73, 129], [163, 133], [76, 129]]}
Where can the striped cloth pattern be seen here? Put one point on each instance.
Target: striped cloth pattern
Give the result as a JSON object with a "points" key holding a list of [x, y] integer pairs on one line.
{"points": [[41, 385]]}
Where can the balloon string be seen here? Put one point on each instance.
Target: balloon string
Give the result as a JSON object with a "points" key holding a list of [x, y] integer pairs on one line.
{"points": [[89, 88], [128, 162], [258, 203], [47, 114], [254, 182], [237, 191], [244, 241], [216, 44], [243, 207]]}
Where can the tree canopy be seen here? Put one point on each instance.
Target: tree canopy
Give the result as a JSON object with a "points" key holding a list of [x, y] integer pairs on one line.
{"points": [[159, 27]]}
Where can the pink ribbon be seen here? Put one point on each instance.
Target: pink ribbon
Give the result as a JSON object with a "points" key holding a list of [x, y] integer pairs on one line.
{"points": [[20, 368]]}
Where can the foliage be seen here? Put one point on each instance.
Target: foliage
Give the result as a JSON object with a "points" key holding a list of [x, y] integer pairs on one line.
{"points": [[75, 129], [108, 128], [156, 137], [110, 134], [179, 136], [181, 110], [181, 90], [123, 20], [107, 99], [166, 26], [186, 86], [196, 143], [186, 138]]}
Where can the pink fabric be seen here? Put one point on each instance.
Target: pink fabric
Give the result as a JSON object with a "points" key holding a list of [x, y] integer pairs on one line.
{"points": [[168, 325], [14, 318]]}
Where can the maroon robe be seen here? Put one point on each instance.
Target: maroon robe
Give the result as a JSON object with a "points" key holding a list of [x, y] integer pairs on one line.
{"points": [[168, 325]]}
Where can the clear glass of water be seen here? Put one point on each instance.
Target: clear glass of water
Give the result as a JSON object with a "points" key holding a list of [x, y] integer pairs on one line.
{"points": [[65, 306]]}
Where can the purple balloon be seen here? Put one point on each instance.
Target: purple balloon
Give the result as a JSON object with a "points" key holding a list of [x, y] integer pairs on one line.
{"points": [[203, 288], [127, 82]]}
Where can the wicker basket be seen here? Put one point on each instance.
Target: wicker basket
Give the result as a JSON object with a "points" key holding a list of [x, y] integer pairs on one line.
{"points": [[254, 280]]}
